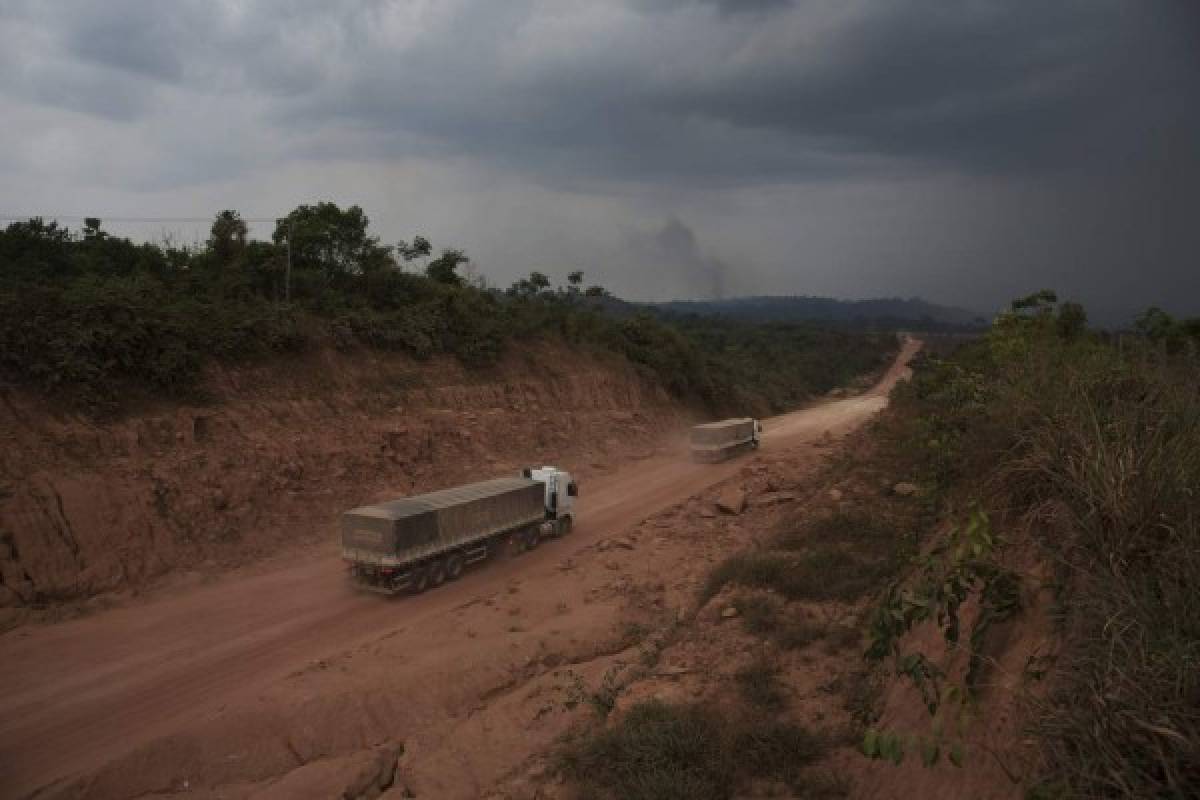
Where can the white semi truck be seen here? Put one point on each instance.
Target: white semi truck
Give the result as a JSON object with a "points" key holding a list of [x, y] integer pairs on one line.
{"points": [[415, 543]]}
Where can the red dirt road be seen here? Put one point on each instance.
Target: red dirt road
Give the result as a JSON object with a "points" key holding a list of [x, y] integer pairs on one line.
{"points": [[80, 694]]}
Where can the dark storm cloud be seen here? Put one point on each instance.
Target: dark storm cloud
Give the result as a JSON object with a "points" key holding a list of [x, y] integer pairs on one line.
{"points": [[735, 91], [801, 92], [1039, 139]]}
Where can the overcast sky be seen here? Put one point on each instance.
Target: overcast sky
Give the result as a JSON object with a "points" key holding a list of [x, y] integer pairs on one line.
{"points": [[964, 151]]}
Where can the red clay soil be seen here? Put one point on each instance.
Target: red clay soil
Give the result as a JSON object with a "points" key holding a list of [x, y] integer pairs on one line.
{"points": [[90, 511], [279, 681]]}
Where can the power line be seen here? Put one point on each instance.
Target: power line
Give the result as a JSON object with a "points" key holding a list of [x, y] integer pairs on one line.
{"points": [[81, 218]]}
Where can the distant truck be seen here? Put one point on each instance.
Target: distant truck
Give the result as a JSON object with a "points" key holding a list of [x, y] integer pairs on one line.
{"points": [[415, 543], [717, 441]]}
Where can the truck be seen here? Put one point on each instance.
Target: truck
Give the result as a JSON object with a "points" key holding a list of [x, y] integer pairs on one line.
{"points": [[717, 441], [415, 543]]}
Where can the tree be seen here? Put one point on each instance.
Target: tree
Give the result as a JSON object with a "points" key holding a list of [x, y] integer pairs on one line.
{"points": [[227, 237], [1072, 320], [420, 247], [596, 291], [1038, 303], [575, 278], [1154, 323], [334, 241], [535, 284], [442, 269], [91, 228]]}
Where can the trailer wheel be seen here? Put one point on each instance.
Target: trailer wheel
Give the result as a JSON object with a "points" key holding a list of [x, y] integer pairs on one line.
{"points": [[454, 566], [533, 537], [564, 525], [420, 580], [437, 573]]}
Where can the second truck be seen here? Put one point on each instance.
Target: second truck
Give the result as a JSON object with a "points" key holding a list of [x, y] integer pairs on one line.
{"points": [[717, 441], [415, 543]]}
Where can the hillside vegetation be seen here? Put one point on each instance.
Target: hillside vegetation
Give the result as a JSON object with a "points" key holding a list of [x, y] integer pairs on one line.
{"points": [[879, 314], [1046, 444], [96, 319], [992, 590]]}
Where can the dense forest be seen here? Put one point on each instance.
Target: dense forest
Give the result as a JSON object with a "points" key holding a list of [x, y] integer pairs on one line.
{"points": [[96, 319]]}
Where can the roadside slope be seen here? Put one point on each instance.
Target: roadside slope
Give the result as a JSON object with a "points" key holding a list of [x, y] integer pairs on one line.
{"points": [[91, 508], [196, 685]]}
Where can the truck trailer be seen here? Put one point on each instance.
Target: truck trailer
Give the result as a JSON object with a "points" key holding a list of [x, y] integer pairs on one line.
{"points": [[418, 542], [717, 441]]}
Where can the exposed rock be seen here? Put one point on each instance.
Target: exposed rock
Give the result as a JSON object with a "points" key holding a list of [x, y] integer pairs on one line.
{"points": [[775, 498], [358, 776], [707, 513], [732, 501], [729, 613], [376, 775], [835, 495], [906, 489]]}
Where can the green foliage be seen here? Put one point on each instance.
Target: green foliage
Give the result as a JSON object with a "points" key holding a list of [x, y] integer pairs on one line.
{"points": [[657, 752], [1098, 442], [851, 557], [331, 241], [687, 752], [90, 316], [443, 268], [227, 239], [759, 685]]}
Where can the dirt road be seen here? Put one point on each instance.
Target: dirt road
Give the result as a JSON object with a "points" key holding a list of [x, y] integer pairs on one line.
{"points": [[82, 694]]}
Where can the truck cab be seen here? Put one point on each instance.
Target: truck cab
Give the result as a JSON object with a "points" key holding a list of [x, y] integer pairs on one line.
{"points": [[560, 493]]}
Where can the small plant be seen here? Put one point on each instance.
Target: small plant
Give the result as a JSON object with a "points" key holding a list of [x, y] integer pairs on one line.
{"points": [[687, 752], [759, 685], [759, 613], [656, 752], [602, 699]]}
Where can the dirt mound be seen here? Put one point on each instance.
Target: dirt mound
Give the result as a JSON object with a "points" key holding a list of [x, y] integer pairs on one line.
{"points": [[89, 508]]}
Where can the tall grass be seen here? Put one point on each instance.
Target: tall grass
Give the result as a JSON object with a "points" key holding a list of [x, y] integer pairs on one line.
{"points": [[1098, 446], [1108, 447]]}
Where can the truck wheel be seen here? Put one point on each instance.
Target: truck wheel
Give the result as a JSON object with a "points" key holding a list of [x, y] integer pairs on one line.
{"points": [[420, 580], [437, 573], [454, 566], [564, 525], [533, 537]]}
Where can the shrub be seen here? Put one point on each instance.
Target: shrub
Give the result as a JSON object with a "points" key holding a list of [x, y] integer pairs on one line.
{"points": [[656, 752], [827, 572], [683, 752], [759, 685]]}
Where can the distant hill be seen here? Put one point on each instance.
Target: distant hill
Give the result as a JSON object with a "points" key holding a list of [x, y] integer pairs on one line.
{"points": [[881, 313]]}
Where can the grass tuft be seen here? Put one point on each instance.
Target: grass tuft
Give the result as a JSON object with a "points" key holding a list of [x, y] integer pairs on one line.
{"points": [[688, 752]]}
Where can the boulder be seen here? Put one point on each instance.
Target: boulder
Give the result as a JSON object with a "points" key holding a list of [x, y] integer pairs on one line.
{"points": [[906, 489], [732, 501]]}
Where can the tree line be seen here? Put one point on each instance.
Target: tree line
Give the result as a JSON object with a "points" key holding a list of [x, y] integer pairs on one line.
{"points": [[99, 319]]}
